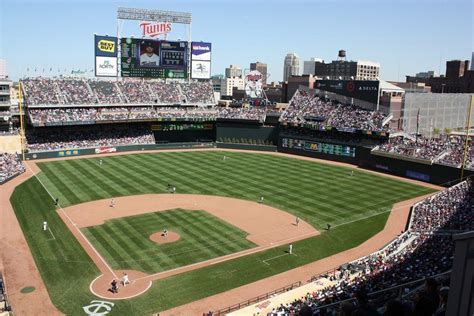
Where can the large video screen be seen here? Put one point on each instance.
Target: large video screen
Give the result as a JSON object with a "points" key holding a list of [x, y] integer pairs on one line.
{"points": [[154, 59]]}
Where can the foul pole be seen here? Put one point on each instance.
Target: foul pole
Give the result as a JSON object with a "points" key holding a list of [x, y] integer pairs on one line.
{"points": [[22, 123], [466, 142]]}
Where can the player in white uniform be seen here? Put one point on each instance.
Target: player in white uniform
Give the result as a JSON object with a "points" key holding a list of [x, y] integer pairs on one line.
{"points": [[290, 249], [125, 279], [45, 225], [149, 58]]}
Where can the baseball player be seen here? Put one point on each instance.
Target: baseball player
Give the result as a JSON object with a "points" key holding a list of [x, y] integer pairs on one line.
{"points": [[224, 158], [297, 220], [149, 58], [112, 203], [290, 249], [45, 225], [261, 199], [114, 286], [100, 162], [125, 279], [173, 190], [352, 173]]}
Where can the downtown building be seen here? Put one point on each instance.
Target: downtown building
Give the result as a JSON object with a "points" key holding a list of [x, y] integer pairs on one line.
{"points": [[291, 66], [347, 70]]}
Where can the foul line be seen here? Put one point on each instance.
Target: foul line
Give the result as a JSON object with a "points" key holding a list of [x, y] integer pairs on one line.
{"points": [[54, 238], [73, 224], [265, 261]]}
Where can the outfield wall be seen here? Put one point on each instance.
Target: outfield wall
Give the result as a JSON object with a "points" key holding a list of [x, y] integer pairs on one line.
{"points": [[112, 149], [362, 156], [240, 132]]}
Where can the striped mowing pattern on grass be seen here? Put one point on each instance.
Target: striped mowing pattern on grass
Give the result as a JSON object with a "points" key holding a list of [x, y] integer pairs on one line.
{"points": [[318, 193], [125, 243]]}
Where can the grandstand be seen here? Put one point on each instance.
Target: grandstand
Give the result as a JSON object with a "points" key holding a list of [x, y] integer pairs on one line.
{"points": [[393, 275], [74, 117]]}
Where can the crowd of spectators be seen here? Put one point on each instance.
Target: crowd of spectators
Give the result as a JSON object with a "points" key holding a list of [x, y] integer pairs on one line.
{"points": [[455, 156], [63, 114], [451, 210], [136, 92], [248, 113], [10, 166], [424, 251], [41, 91], [418, 147], [198, 92], [444, 149], [306, 108], [5, 307], [74, 91], [38, 141], [107, 92]]}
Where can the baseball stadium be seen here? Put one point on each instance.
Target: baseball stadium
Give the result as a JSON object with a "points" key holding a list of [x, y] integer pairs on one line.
{"points": [[144, 194]]}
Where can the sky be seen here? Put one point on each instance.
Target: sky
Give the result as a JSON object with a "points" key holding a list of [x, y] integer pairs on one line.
{"points": [[404, 36]]}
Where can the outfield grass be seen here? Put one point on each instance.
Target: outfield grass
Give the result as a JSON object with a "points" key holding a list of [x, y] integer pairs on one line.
{"points": [[125, 244], [316, 192]]}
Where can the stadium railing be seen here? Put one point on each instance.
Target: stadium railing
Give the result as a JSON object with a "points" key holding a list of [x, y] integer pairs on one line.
{"points": [[256, 299]]}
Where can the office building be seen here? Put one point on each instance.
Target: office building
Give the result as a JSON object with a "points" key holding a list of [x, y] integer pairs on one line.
{"points": [[291, 66], [233, 71]]}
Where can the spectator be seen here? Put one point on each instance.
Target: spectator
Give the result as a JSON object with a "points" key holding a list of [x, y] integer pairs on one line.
{"points": [[10, 166]]}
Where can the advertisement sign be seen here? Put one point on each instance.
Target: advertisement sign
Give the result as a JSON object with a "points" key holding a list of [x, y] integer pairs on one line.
{"points": [[201, 51], [106, 66], [105, 46], [104, 150], [201, 60], [200, 69], [106, 52], [65, 153], [366, 90], [417, 175]]}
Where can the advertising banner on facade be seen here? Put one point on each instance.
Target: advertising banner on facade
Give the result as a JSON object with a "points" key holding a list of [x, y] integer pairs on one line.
{"points": [[106, 52], [201, 51], [366, 90], [200, 69]]}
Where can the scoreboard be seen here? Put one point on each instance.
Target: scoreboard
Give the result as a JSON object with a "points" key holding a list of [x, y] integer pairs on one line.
{"points": [[319, 147], [168, 127], [154, 59]]}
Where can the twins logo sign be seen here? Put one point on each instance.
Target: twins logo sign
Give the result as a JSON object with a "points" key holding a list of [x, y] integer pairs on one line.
{"points": [[98, 308]]}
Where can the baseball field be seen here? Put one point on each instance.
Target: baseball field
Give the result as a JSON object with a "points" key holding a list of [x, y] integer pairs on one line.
{"points": [[356, 205]]}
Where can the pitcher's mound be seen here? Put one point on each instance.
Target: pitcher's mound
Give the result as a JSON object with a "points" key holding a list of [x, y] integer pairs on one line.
{"points": [[159, 237]]}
